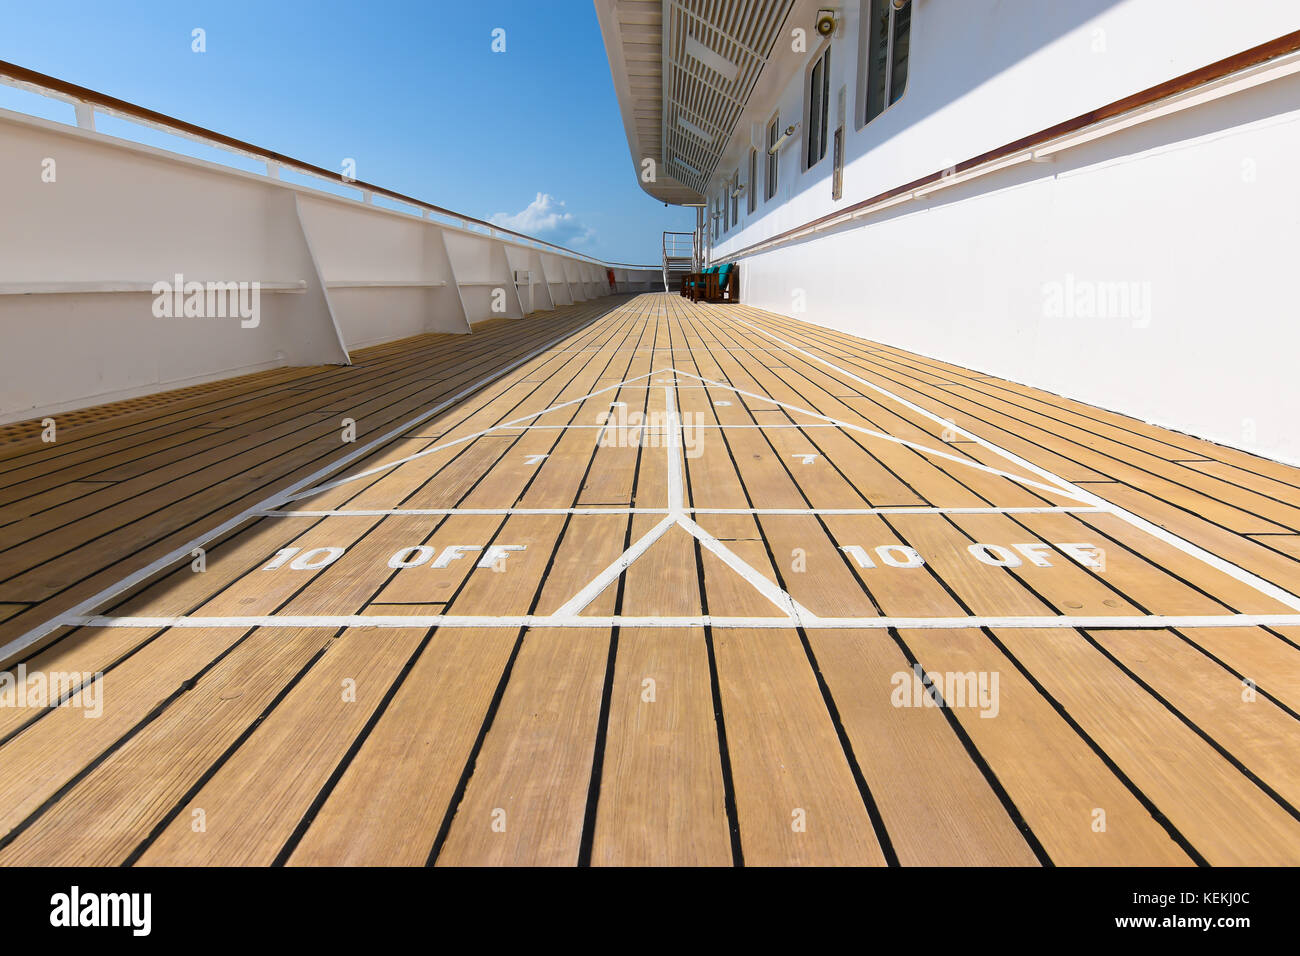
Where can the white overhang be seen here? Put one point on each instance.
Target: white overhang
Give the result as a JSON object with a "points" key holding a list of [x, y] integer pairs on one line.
{"points": [[683, 71]]}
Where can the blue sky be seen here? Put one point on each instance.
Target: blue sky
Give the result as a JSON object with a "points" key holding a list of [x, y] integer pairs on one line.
{"points": [[411, 90]]}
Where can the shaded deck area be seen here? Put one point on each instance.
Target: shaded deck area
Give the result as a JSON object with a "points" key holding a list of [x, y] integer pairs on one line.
{"points": [[645, 582]]}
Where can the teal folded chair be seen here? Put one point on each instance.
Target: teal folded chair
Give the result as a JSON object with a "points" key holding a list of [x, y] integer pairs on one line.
{"points": [[721, 284]]}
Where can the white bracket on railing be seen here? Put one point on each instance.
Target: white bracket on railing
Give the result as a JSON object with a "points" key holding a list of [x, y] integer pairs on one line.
{"points": [[85, 115]]}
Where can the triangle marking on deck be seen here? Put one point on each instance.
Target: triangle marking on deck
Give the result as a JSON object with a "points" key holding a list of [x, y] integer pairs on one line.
{"points": [[794, 612], [915, 446], [1069, 488], [457, 441]]}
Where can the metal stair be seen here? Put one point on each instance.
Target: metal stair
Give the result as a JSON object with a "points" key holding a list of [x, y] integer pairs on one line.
{"points": [[679, 258]]}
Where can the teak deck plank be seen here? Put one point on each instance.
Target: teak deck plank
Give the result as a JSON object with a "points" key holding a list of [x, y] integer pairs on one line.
{"points": [[675, 727], [1057, 436], [525, 802], [53, 577], [662, 798]]}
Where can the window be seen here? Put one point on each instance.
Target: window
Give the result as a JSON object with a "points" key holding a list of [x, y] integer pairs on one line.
{"points": [[735, 199], [773, 134], [751, 194], [885, 43], [837, 174], [819, 88], [716, 216]]}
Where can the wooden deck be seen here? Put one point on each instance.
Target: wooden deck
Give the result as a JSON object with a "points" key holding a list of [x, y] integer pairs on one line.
{"points": [[651, 583]]}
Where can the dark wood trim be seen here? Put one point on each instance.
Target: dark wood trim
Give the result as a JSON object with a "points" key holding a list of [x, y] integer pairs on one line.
{"points": [[123, 108], [1281, 46]]}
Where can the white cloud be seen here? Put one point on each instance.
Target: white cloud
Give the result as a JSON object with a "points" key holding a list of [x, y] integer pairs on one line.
{"points": [[545, 218]]}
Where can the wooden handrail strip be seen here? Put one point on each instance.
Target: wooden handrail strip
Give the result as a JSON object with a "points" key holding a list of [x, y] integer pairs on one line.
{"points": [[123, 108], [1289, 43]]}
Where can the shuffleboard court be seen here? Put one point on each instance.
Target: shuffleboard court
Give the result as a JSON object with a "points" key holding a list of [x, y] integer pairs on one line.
{"points": [[655, 582]]}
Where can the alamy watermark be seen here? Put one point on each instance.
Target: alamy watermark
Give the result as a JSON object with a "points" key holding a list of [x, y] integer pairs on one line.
{"points": [[1074, 298], [75, 908], [625, 429], [18, 688], [921, 688], [208, 300]]}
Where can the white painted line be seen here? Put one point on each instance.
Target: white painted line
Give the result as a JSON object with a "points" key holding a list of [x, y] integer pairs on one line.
{"points": [[768, 589], [596, 510], [924, 449], [280, 497], [900, 510], [611, 422], [676, 492], [655, 429], [639, 351], [382, 512], [605, 578], [657, 382], [676, 515], [1182, 544], [457, 441], [1142, 622]]}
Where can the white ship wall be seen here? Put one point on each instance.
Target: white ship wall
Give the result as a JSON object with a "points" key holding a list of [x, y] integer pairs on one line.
{"points": [[1195, 216], [81, 250]]}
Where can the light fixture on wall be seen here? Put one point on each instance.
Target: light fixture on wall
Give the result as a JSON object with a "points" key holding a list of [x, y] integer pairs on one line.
{"points": [[789, 131], [826, 22], [735, 193]]}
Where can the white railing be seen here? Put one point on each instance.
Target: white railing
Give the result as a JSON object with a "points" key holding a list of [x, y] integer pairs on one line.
{"points": [[104, 239]]}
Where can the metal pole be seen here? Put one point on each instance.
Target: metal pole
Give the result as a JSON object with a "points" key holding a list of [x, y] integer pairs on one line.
{"points": [[697, 257]]}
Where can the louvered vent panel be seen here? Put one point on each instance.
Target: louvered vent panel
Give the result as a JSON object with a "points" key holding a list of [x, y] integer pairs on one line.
{"points": [[713, 52]]}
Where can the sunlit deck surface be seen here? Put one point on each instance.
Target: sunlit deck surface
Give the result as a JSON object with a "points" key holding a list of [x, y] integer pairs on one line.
{"points": [[687, 663]]}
